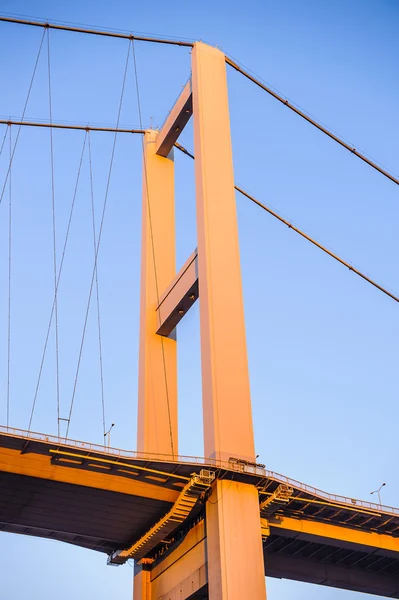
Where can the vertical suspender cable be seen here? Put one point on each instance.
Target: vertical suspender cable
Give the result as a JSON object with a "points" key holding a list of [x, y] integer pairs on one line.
{"points": [[9, 287], [4, 140], [58, 283], [97, 246], [57, 372], [23, 114], [100, 352], [152, 244]]}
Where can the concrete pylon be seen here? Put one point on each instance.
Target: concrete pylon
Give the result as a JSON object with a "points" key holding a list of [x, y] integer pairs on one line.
{"points": [[223, 553]]}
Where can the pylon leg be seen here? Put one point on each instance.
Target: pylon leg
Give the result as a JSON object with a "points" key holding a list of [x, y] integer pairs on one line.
{"points": [[234, 543], [228, 429], [141, 583], [157, 401], [157, 398]]}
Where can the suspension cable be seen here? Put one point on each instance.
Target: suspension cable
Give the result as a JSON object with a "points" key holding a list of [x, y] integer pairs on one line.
{"points": [[9, 288], [68, 126], [152, 246], [23, 114], [57, 371], [303, 234], [316, 243], [4, 138], [97, 247], [126, 36], [100, 352], [230, 62], [58, 283], [310, 120]]}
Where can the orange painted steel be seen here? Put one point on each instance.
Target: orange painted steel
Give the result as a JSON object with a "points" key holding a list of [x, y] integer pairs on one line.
{"points": [[157, 401], [116, 454], [179, 512], [234, 543], [39, 466], [321, 532], [338, 525], [228, 429]]}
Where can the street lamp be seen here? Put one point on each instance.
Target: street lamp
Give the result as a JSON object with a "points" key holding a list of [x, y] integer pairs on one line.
{"points": [[378, 492], [108, 433]]}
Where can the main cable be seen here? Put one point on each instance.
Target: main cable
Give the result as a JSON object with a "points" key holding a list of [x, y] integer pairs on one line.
{"points": [[68, 126], [307, 237], [125, 36], [316, 243], [231, 63], [310, 120]]}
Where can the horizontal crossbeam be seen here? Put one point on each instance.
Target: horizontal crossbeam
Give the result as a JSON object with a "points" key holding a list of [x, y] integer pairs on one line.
{"points": [[175, 122], [179, 297]]}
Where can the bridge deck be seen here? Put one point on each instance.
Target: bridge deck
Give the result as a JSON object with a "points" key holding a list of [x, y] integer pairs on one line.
{"points": [[105, 499]]}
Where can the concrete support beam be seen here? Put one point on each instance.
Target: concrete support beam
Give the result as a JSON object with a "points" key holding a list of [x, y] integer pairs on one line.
{"points": [[228, 429], [176, 122], [234, 543], [182, 573], [179, 297], [157, 401], [142, 583]]}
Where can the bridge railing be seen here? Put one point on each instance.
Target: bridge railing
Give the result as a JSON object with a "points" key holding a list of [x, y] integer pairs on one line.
{"points": [[238, 466]]}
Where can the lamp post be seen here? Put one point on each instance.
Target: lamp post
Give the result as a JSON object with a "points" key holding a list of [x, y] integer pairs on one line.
{"points": [[108, 433], [378, 492]]}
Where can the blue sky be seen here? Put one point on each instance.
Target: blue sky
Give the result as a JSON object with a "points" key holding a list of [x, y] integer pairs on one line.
{"points": [[322, 343]]}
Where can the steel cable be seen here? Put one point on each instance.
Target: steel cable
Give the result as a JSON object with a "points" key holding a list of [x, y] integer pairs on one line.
{"points": [[97, 249], [23, 115], [9, 288], [312, 121], [4, 140], [57, 370], [100, 352], [58, 283], [303, 234]]}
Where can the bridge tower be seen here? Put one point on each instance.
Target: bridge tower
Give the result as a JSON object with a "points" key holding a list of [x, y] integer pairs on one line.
{"points": [[232, 555]]}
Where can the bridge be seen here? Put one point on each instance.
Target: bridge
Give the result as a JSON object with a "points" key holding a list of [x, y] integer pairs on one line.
{"points": [[62, 489], [209, 527]]}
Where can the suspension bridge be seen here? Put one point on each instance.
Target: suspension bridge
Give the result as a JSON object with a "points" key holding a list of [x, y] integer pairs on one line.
{"points": [[196, 527]]}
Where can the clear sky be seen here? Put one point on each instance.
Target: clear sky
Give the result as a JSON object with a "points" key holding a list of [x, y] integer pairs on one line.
{"points": [[322, 344]]}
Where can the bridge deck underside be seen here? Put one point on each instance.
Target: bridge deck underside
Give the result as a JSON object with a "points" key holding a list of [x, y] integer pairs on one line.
{"points": [[106, 517], [326, 562], [93, 518]]}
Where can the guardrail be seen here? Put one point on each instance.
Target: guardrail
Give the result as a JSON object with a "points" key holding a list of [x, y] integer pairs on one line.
{"points": [[195, 460]]}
